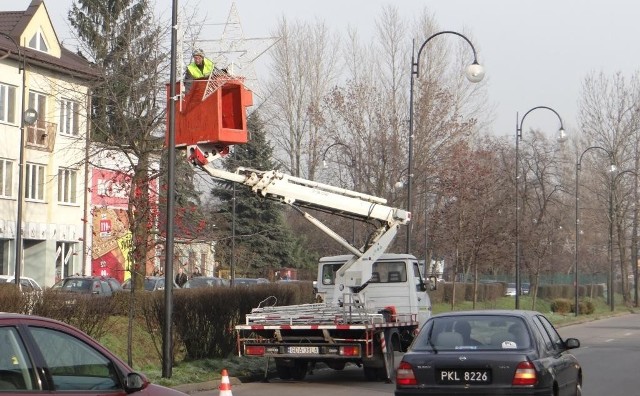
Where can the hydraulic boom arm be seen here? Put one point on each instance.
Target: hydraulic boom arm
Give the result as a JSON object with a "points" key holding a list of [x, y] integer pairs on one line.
{"points": [[301, 193]]}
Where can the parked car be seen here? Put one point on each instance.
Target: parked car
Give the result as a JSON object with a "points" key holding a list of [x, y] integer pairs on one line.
{"points": [[249, 281], [151, 283], [47, 356], [489, 352], [205, 281], [92, 285], [27, 284], [511, 289]]}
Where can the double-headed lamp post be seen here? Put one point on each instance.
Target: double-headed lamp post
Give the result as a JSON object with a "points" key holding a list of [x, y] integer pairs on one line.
{"points": [[614, 180], [612, 170], [561, 138], [474, 73]]}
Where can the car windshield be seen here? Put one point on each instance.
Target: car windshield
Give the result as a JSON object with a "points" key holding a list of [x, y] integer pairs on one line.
{"points": [[471, 332], [76, 284]]}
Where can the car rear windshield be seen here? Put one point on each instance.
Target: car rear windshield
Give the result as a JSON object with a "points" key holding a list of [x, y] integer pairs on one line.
{"points": [[77, 284], [473, 332]]}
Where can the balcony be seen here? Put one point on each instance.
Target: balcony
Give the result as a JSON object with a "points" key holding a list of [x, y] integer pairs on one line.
{"points": [[41, 135]]}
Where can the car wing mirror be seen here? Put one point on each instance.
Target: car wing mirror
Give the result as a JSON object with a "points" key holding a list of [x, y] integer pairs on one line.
{"points": [[433, 282], [135, 382], [572, 343]]}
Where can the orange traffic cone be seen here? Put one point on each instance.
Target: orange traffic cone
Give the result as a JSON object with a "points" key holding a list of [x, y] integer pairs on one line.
{"points": [[225, 385]]}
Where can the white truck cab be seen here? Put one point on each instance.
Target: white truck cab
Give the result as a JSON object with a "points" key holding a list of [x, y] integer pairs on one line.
{"points": [[396, 283]]}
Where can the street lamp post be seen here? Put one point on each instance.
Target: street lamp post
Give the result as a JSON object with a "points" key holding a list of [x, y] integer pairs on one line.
{"points": [[167, 340], [474, 73], [614, 180], [561, 138], [578, 168], [353, 162]]}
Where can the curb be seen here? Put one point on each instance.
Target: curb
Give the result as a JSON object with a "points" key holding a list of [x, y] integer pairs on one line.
{"points": [[204, 386]]}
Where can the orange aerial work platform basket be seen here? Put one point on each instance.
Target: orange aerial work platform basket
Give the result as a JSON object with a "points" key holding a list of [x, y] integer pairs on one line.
{"points": [[218, 118]]}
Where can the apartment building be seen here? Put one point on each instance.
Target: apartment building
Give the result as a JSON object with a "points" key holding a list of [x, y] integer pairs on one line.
{"points": [[42, 166]]}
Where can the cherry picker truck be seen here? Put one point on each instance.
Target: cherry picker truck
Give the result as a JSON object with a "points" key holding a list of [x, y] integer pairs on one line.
{"points": [[373, 302]]}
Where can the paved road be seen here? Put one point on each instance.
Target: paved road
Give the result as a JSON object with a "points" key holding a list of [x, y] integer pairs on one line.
{"points": [[609, 354]]}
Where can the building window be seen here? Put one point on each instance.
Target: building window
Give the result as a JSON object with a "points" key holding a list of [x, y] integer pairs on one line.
{"points": [[6, 178], [67, 185], [34, 182], [69, 117], [8, 103], [38, 42]]}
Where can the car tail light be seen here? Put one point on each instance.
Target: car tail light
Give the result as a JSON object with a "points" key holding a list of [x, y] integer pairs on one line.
{"points": [[254, 350], [405, 375], [351, 350], [525, 374]]}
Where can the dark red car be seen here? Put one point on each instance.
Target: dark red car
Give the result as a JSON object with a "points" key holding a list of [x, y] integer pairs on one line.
{"points": [[41, 355]]}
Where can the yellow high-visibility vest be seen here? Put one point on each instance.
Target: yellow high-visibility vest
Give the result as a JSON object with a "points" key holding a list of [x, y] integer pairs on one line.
{"points": [[195, 71]]}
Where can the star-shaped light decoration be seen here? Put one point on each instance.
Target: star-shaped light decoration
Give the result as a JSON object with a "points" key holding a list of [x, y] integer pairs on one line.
{"points": [[236, 54]]}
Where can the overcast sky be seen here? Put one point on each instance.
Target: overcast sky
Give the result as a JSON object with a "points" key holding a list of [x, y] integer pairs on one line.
{"points": [[536, 52]]}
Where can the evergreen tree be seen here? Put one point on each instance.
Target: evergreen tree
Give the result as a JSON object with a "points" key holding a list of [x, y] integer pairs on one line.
{"points": [[264, 240]]}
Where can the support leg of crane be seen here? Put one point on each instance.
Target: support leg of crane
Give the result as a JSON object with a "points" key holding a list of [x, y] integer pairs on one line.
{"points": [[266, 372], [387, 354]]}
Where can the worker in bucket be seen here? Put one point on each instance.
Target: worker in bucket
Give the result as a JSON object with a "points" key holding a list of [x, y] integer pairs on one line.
{"points": [[199, 69]]}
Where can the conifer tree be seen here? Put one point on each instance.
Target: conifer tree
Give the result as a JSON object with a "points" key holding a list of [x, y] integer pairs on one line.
{"points": [[264, 242]]}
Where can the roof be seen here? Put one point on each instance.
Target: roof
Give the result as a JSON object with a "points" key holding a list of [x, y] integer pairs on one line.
{"points": [[13, 24], [499, 312]]}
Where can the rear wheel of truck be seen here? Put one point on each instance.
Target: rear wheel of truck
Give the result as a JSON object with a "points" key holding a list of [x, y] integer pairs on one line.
{"points": [[283, 370], [337, 365], [370, 373], [299, 369]]}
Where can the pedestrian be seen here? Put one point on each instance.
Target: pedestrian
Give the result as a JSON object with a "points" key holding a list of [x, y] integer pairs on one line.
{"points": [[181, 277], [196, 273]]}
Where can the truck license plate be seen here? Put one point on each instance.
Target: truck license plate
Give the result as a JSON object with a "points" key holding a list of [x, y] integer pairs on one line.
{"points": [[302, 350]]}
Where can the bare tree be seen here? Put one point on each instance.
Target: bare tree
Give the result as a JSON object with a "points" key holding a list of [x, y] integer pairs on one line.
{"points": [[609, 117], [305, 65], [467, 222]]}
